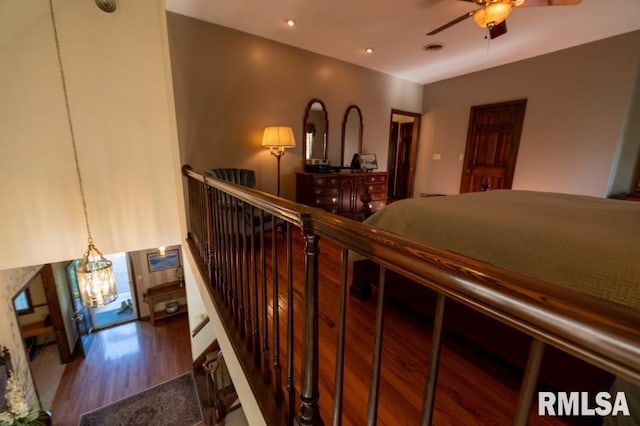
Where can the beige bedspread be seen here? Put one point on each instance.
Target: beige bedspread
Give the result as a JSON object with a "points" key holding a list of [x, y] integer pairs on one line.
{"points": [[584, 243]]}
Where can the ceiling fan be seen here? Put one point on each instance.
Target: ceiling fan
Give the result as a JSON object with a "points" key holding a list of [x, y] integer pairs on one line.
{"points": [[492, 14]]}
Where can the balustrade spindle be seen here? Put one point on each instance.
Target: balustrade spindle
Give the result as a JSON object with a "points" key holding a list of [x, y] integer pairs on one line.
{"points": [[244, 288], [254, 283], [208, 224], [277, 368], [291, 391], [266, 369], [309, 413], [337, 394], [227, 254], [372, 416], [529, 382], [432, 379], [235, 264], [219, 256]]}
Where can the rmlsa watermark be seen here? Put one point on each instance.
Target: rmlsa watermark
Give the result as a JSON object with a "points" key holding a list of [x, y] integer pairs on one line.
{"points": [[582, 404]]}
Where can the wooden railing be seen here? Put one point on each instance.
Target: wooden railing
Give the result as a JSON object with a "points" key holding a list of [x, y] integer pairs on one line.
{"points": [[227, 226]]}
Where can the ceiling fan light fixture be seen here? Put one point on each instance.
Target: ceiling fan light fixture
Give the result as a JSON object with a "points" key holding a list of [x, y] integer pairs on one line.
{"points": [[492, 14]]}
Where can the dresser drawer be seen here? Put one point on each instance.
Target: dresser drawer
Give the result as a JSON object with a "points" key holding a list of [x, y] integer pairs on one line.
{"points": [[322, 181], [320, 191], [325, 202], [377, 179], [377, 187]]}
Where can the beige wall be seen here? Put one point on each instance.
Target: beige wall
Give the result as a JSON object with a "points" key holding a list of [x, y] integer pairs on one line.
{"points": [[578, 103], [11, 282], [117, 69], [38, 297], [229, 85], [120, 101]]}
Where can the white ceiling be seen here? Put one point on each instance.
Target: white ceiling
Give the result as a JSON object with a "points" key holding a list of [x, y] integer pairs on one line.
{"points": [[397, 29]]}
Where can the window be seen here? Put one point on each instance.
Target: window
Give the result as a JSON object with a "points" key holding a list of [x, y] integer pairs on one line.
{"points": [[22, 302]]}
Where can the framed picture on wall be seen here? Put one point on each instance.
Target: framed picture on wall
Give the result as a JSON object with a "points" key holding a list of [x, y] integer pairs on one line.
{"points": [[158, 262]]}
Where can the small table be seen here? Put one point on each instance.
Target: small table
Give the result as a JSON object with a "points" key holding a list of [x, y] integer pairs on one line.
{"points": [[173, 290], [36, 329]]}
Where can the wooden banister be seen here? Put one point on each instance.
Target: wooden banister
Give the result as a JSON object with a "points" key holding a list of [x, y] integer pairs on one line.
{"points": [[599, 332]]}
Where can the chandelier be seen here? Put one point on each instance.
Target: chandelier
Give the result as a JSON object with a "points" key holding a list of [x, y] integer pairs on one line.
{"points": [[96, 279]]}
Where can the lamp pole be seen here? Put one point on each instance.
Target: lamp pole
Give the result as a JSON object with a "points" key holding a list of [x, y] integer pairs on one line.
{"points": [[278, 153]]}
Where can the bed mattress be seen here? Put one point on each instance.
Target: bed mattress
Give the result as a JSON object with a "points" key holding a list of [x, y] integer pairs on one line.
{"points": [[588, 244]]}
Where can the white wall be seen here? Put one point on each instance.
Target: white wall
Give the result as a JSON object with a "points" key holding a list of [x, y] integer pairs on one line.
{"points": [[577, 107]]}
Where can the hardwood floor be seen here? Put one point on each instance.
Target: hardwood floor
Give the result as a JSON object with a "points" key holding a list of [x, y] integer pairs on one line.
{"points": [[474, 387], [47, 373], [122, 360]]}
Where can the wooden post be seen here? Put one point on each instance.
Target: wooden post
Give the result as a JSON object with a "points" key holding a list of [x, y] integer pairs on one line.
{"points": [[309, 413]]}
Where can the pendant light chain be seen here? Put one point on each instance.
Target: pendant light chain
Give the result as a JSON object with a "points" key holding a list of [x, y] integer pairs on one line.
{"points": [[70, 123]]}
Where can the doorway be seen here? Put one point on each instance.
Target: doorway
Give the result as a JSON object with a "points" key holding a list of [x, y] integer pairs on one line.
{"points": [[124, 308], [403, 147], [493, 139]]}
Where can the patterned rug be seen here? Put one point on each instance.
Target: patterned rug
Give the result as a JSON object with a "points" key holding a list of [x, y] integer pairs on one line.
{"points": [[174, 402]]}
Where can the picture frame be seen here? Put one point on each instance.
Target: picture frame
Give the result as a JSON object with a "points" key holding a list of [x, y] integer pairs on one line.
{"points": [[157, 262], [368, 161]]}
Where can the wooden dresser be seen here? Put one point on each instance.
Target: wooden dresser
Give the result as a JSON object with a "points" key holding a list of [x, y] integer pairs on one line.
{"points": [[340, 193]]}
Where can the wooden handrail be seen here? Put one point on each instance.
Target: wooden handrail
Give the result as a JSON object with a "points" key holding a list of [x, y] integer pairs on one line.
{"points": [[600, 332], [200, 326]]}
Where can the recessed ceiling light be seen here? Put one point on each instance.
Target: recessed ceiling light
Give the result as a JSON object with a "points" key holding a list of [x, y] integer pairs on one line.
{"points": [[291, 22], [433, 47], [369, 50]]}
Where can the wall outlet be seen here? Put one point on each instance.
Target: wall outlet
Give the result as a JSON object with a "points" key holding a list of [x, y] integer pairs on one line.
{"points": [[437, 156]]}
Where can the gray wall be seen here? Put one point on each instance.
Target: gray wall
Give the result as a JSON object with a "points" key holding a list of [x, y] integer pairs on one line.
{"points": [[229, 85], [576, 127]]}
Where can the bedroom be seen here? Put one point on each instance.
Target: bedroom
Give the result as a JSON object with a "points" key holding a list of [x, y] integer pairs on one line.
{"points": [[241, 142]]}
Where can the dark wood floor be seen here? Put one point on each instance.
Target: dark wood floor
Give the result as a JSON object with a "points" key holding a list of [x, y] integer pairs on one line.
{"points": [[475, 388], [122, 360]]}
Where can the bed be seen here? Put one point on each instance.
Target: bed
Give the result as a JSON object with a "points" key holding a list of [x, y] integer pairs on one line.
{"points": [[587, 244]]}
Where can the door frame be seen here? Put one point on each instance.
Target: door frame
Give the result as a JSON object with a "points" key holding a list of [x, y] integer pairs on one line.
{"points": [[413, 151]]}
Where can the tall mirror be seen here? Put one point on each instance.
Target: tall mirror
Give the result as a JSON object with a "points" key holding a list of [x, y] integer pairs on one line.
{"points": [[351, 134], [316, 129]]}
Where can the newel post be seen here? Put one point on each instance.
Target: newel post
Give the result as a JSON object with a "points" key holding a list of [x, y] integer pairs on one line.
{"points": [[309, 413]]}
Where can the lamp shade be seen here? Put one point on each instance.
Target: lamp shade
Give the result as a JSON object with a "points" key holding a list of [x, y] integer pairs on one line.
{"points": [[493, 13], [278, 137]]}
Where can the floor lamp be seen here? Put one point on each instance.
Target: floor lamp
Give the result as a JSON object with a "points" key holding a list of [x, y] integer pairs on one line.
{"points": [[277, 139]]}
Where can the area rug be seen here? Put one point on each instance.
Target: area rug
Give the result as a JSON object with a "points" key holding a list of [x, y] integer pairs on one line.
{"points": [[174, 402]]}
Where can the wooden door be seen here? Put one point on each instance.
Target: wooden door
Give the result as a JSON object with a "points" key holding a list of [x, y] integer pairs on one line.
{"points": [[55, 312], [81, 315], [492, 146]]}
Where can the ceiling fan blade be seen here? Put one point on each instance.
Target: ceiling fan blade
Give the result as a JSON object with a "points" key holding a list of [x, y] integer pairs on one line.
{"points": [[498, 30], [529, 3], [451, 23]]}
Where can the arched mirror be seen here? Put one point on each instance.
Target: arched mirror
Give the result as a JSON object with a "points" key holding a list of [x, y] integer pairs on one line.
{"points": [[351, 134], [316, 129]]}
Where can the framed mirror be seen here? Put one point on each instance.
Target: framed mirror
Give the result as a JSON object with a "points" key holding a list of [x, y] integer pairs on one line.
{"points": [[316, 129], [351, 134]]}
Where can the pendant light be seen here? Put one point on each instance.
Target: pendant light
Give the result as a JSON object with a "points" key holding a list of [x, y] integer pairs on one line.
{"points": [[96, 279]]}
